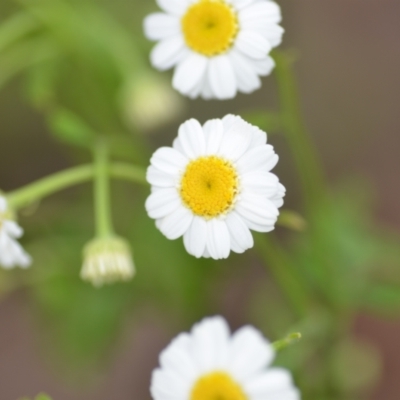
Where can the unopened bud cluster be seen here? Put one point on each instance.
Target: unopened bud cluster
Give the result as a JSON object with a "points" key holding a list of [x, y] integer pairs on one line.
{"points": [[107, 260]]}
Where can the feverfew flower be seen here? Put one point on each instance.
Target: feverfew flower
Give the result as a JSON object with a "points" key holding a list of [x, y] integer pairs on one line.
{"points": [[218, 47], [11, 252], [208, 363], [214, 185], [107, 260]]}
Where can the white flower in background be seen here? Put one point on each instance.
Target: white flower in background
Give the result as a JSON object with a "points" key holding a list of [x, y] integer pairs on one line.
{"points": [[218, 47], [148, 102], [107, 260], [208, 364], [214, 185], [11, 252]]}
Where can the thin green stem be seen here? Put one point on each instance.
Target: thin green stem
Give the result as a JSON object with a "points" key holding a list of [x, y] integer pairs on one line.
{"points": [[304, 153], [49, 185], [102, 201], [290, 282], [129, 172], [287, 341]]}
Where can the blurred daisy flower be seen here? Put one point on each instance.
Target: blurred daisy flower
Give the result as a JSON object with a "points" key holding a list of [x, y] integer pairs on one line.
{"points": [[107, 260], [219, 47], [11, 252], [214, 185], [208, 363]]}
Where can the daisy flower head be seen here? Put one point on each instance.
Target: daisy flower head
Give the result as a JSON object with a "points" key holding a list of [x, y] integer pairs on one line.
{"points": [[214, 185], [11, 252], [218, 47], [209, 363]]}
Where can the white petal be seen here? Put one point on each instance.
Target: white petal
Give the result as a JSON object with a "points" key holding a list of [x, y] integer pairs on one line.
{"points": [[166, 385], [168, 52], [229, 120], [214, 133], [159, 178], [206, 92], [261, 183], [195, 238], [162, 202], [277, 199], [237, 139], [12, 229], [218, 240], [250, 353], [169, 160], [258, 158], [160, 26], [266, 12], [12, 253], [189, 72], [241, 3], [241, 237], [263, 67], [192, 139], [259, 137], [258, 213], [246, 76], [252, 44], [221, 77], [177, 357], [269, 382], [272, 33], [210, 343], [176, 7], [3, 204], [176, 224], [199, 88]]}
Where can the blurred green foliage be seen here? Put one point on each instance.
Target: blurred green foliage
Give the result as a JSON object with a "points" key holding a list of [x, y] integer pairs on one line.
{"points": [[39, 397]]}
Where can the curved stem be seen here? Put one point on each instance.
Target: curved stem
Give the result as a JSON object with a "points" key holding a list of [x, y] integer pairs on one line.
{"points": [[49, 185], [62, 180]]}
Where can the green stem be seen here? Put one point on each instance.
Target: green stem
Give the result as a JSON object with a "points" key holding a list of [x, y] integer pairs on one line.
{"points": [[287, 341], [62, 180], [102, 202], [290, 282], [304, 153]]}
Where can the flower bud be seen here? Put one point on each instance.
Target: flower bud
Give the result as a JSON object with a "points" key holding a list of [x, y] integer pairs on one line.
{"points": [[149, 102], [107, 260]]}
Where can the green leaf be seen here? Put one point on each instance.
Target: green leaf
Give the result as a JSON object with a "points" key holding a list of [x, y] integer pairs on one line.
{"points": [[69, 128], [15, 28], [24, 55]]}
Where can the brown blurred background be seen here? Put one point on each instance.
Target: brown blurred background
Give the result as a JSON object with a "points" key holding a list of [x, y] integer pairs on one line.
{"points": [[348, 68]]}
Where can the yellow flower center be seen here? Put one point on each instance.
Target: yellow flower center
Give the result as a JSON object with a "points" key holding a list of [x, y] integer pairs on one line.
{"points": [[209, 186], [217, 386], [210, 26]]}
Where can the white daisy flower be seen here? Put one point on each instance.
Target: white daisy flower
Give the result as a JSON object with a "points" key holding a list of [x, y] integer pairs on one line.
{"points": [[11, 252], [214, 185], [218, 47], [208, 363]]}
